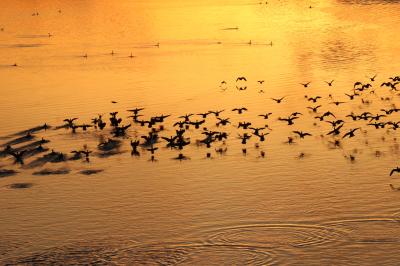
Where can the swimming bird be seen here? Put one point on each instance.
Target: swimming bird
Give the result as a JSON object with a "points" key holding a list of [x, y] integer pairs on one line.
{"points": [[152, 149], [18, 156], [70, 121], [86, 153], [134, 146]]}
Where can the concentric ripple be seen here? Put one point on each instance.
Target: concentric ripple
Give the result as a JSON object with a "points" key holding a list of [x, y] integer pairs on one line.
{"points": [[271, 235], [377, 230]]}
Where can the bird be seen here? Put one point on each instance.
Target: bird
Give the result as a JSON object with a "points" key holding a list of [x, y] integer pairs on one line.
{"points": [[314, 109], [373, 78], [314, 99], [240, 110], [394, 170], [350, 133], [305, 85], [222, 121], [260, 81], [335, 131], [266, 115], [302, 134], [70, 121], [241, 78], [204, 115], [278, 100], [337, 103], [135, 110], [351, 96], [289, 120], [216, 113], [18, 156], [241, 88], [328, 113], [329, 82]]}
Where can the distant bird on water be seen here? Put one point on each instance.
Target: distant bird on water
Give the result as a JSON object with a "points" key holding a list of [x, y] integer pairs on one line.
{"points": [[395, 170]]}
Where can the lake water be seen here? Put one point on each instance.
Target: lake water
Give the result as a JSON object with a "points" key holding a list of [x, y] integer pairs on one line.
{"points": [[301, 204]]}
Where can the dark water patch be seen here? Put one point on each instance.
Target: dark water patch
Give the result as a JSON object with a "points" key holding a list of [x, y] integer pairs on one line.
{"points": [[109, 145], [24, 45], [61, 127], [107, 154], [91, 171], [62, 171], [7, 172], [20, 185], [31, 145], [160, 254], [52, 157], [32, 130], [35, 151], [19, 140]]}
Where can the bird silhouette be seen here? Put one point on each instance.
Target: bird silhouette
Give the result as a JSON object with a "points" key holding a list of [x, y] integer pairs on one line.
{"points": [[394, 170], [239, 110], [302, 134], [266, 115], [305, 85], [314, 109], [350, 134], [241, 78], [278, 100]]}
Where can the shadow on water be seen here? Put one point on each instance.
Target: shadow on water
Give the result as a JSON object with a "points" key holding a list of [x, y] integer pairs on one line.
{"points": [[7, 172], [91, 171], [52, 157], [62, 171], [20, 185]]}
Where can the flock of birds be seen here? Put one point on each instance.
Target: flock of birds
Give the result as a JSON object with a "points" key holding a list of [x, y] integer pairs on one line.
{"points": [[212, 127], [210, 132]]}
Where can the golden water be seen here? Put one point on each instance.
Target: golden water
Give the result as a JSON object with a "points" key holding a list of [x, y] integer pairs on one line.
{"points": [[232, 209]]}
